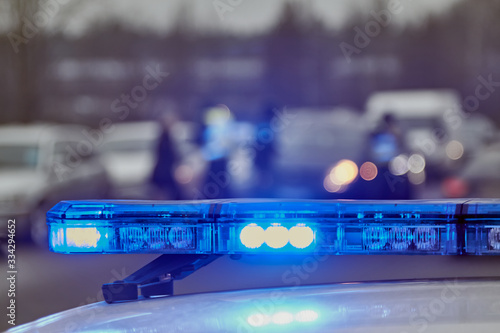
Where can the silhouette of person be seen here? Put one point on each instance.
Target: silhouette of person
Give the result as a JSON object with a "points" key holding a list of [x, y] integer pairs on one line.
{"points": [[163, 177], [386, 143], [217, 147], [265, 151]]}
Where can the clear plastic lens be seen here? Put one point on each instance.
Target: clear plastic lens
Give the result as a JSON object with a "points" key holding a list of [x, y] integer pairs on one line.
{"points": [[494, 239], [336, 238], [132, 239], [426, 238], [483, 240], [401, 238], [180, 238], [377, 238]]}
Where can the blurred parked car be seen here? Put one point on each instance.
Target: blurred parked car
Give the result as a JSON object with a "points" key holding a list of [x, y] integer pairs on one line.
{"points": [[471, 135], [310, 144], [40, 165], [129, 154], [424, 118], [480, 176]]}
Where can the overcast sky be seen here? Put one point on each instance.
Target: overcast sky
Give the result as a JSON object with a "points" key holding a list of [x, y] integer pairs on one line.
{"points": [[247, 16]]}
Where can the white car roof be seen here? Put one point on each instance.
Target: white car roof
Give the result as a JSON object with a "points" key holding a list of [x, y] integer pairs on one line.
{"points": [[130, 131], [411, 103], [21, 134], [433, 306]]}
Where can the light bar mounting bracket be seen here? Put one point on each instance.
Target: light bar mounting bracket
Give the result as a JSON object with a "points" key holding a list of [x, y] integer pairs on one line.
{"points": [[156, 278]]}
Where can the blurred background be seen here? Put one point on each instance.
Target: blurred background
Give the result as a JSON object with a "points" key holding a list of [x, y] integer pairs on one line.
{"points": [[219, 99]]}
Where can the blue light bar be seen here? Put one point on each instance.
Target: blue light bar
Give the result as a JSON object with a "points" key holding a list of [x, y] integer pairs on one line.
{"points": [[130, 227], [436, 227]]}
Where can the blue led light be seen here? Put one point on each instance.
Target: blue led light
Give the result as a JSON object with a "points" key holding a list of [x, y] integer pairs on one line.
{"points": [[82, 237], [301, 236], [276, 236], [252, 236], [78, 239]]}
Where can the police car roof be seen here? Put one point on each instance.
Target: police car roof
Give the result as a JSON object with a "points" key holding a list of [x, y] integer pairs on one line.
{"points": [[434, 305]]}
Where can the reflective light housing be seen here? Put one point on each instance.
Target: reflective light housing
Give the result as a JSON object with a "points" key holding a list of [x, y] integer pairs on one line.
{"points": [[482, 226], [273, 226], [129, 227], [337, 227]]}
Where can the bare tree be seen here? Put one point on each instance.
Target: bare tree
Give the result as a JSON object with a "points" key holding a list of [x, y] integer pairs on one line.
{"points": [[27, 36], [26, 59]]}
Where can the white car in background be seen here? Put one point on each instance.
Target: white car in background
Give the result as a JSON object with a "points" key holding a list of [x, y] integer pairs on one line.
{"points": [[424, 118], [41, 164], [311, 143], [479, 177], [128, 152], [475, 132]]}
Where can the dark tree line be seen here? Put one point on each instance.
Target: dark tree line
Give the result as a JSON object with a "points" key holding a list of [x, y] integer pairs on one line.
{"points": [[303, 63]]}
